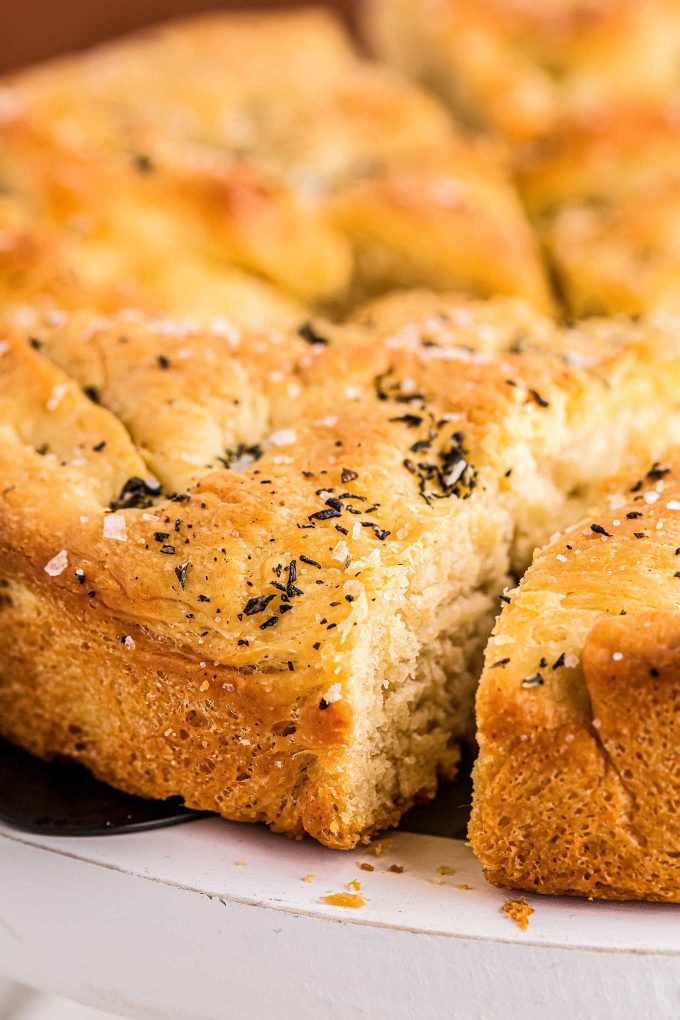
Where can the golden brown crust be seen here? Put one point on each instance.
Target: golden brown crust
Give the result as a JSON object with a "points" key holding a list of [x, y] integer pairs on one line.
{"points": [[605, 193], [577, 783], [249, 162], [520, 68], [133, 638]]}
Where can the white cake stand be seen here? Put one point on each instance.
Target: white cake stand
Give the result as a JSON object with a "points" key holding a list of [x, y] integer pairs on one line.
{"points": [[212, 920]]}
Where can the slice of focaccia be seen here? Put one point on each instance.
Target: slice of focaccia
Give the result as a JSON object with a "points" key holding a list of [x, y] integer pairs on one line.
{"points": [[519, 67], [258, 569], [603, 189], [207, 162], [578, 780]]}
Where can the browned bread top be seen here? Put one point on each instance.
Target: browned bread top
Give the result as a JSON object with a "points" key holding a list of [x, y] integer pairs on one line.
{"points": [[520, 67], [577, 784], [247, 161], [220, 547], [604, 189]]}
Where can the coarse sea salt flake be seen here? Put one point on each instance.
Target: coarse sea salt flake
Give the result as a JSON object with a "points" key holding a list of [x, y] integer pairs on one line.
{"points": [[58, 564], [57, 395], [673, 504], [283, 437], [115, 526], [340, 552], [334, 693]]}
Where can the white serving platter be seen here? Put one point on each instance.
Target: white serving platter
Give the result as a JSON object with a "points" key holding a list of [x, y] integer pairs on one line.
{"points": [[213, 920]]}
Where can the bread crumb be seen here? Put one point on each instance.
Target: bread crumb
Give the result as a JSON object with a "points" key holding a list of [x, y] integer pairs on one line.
{"points": [[463, 885], [518, 911], [396, 868], [345, 899], [378, 848], [354, 885], [239, 864], [309, 877], [365, 866], [445, 869]]}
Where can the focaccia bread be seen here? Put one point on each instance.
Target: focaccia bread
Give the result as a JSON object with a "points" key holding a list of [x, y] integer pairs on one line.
{"points": [[578, 779], [520, 67], [247, 164], [587, 96], [604, 191], [258, 569]]}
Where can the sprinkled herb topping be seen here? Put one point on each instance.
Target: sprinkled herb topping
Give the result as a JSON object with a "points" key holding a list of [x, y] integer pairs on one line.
{"points": [[348, 476], [291, 589], [80, 574], [535, 680], [143, 163], [499, 663], [257, 605], [600, 530], [632, 514], [168, 550], [181, 572], [136, 493], [380, 533], [559, 662], [450, 475], [328, 514], [388, 389], [271, 622], [310, 334], [538, 399], [241, 457], [163, 362], [161, 536], [311, 563], [656, 472], [93, 393], [412, 420]]}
